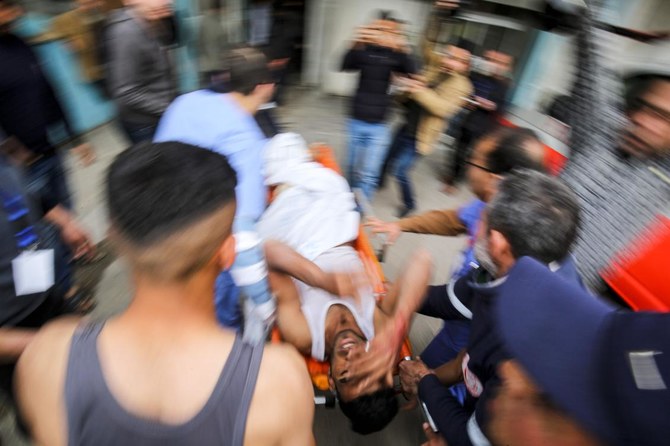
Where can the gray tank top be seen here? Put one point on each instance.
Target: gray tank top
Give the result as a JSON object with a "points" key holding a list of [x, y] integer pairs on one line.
{"points": [[96, 418]]}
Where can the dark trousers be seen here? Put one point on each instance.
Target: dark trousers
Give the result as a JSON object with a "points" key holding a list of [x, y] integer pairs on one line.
{"points": [[46, 179], [391, 154], [460, 156], [402, 164], [137, 132]]}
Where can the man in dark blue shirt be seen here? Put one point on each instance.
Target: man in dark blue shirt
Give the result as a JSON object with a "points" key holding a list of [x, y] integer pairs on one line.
{"points": [[532, 215]]}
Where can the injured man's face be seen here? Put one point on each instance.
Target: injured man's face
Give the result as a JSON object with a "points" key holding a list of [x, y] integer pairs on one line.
{"points": [[348, 346]]}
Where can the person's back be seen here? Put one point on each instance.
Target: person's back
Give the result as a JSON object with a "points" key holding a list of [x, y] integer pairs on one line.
{"points": [[214, 121], [164, 371]]}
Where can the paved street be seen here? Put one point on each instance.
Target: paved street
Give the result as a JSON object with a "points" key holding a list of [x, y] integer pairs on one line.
{"points": [[317, 118]]}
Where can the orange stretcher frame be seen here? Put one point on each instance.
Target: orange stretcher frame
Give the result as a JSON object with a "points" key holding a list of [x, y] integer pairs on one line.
{"points": [[318, 370]]}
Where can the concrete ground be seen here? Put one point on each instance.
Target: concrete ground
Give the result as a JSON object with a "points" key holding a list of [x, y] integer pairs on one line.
{"points": [[319, 118]]}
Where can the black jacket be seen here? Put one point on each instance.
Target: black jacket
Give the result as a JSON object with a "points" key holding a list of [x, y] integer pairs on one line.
{"points": [[376, 64], [28, 104]]}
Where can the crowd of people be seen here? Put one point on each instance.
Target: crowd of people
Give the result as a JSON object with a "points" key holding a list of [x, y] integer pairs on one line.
{"points": [[231, 227]]}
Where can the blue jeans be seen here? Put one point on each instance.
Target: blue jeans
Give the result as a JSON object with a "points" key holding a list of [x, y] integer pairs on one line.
{"points": [[46, 181], [402, 165], [138, 132], [368, 143]]}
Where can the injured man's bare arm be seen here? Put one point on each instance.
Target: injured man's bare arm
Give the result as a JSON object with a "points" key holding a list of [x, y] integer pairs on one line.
{"points": [[325, 310]]}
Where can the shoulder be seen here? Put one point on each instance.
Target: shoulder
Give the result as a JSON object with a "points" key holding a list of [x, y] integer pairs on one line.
{"points": [[294, 378], [464, 82], [472, 211], [40, 377], [187, 105], [49, 344], [283, 403], [63, 20]]}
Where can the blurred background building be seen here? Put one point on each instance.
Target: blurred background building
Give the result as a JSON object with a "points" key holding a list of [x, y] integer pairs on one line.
{"points": [[321, 31]]}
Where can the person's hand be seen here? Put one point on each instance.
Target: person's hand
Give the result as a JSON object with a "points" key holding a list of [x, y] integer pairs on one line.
{"points": [[485, 104], [77, 239], [434, 439], [380, 358], [447, 4], [416, 85], [85, 154], [391, 229], [365, 34], [346, 284], [276, 64], [411, 372]]}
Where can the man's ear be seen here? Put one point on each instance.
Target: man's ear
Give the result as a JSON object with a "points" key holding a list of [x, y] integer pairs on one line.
{"points": [[499, 248], [226, 253], [264, 91], [331, 383]]}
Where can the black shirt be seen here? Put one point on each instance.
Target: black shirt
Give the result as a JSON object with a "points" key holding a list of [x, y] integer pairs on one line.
{"points": [[28, 104], [376, 64]]}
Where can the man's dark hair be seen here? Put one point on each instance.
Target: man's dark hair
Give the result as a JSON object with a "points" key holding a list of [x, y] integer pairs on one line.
{"points": [[638, 85], [372, 412], [465, 44], [510, 151], [537, 214], [157, 189], [243, 69], [385, 14]]}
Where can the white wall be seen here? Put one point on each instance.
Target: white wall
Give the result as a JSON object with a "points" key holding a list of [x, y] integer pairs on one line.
{"points": [[331, 25], [551, 67]]}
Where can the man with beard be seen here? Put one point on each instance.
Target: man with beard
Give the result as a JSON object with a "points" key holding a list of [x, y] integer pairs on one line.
{"points": [[325, 306]]}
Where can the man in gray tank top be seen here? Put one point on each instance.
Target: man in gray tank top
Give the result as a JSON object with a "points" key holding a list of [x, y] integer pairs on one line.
{"points": [[164, 372]]}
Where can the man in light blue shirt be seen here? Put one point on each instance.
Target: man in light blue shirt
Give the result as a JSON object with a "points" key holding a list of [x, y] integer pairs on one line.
{"points": [[221, 118]]}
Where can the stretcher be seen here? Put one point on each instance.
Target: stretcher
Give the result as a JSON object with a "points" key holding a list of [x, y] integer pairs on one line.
{"points": [[318, 370]]}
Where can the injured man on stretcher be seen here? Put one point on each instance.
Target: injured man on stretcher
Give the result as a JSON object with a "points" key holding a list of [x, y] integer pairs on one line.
{"points": [[326, 306]]}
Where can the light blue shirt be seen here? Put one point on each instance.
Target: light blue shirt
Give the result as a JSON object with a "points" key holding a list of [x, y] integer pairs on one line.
{"points": [[215, 121]]}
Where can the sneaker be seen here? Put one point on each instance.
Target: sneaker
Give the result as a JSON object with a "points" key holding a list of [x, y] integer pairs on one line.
{"points": [[258, 320]]}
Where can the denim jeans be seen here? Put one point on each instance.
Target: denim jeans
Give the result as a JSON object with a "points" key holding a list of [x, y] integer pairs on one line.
{"points": [[402, 165], [138, 132], [46, 181], [368, 143]]}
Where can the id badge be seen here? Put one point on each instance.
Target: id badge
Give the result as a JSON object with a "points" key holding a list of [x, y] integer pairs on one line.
{"points": [[33, 271]]}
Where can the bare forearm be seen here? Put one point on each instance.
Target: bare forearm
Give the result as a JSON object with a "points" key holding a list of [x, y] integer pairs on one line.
{"points": [[59, 216], [283, 258], [449, 373], [413, 285], [13, 342]]}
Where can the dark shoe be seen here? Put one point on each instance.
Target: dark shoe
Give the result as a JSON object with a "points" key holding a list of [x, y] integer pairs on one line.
{"points": [[404, 212]]}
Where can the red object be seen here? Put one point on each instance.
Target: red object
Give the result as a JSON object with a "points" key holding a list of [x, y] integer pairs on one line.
{"points": [[553, 159], [641, 276]]}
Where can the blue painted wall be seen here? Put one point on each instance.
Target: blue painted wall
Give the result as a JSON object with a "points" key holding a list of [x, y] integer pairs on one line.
{"points": [[83, 103]]}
